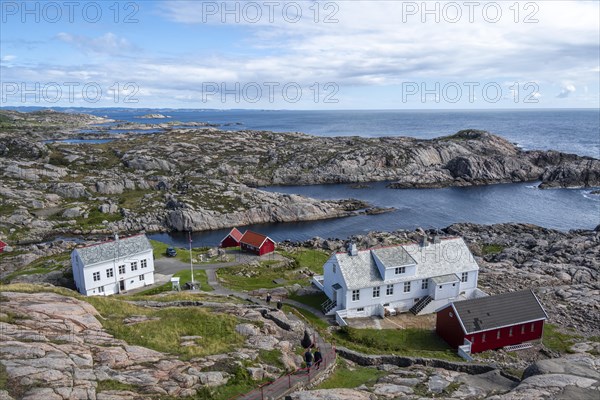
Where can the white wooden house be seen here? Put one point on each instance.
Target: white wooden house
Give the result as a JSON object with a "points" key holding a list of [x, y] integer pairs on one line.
{"points": [[416, 277], [114, 266]]}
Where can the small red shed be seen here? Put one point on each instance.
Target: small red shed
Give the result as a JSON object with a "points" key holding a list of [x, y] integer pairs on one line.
{"points": [[232, 239], [492, 322], [257, 243], [2, 246]]}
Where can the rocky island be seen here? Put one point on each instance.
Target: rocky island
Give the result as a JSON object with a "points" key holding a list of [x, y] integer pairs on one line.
{"points": [[199, 178]]}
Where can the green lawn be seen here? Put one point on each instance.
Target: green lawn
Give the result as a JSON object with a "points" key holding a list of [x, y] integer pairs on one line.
{"points": [[313, 300], [185, 276], [216, 330], [411, 342], [261, 277], [309, 317], [308, 258], [183, 255], [345, 377], [491, 249]]}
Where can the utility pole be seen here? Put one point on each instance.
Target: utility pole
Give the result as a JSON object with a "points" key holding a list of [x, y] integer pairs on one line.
{"points": [[191, 263]]}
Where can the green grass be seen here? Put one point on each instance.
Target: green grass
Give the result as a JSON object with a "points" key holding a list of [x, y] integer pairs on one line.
{"points": [[271, 357], [217, 330], [313, 300], [111, 384], [3, 377], [42, 265], [491, 249], [410, 342], [558, 340], [308, 258], [185, 276], [345, 377], [183, 255], [309, 317], [261, 277]]}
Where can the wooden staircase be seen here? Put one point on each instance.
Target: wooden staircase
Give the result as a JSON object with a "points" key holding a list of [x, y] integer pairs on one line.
{"points": [[420, 305]]}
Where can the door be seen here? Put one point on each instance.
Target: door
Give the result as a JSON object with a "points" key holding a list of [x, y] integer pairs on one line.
{"points": [[121, 285]]}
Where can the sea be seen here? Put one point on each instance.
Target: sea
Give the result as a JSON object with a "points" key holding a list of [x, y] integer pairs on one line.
{"points": [[572, 131]]}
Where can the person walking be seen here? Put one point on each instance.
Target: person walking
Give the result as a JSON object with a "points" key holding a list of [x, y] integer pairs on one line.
{"points": [[318, 358], [268, 298], [279, 304], [308, 358]]}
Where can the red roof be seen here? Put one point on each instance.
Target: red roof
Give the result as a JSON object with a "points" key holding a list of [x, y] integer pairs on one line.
{"points": [[236, 234], [254, 239]]}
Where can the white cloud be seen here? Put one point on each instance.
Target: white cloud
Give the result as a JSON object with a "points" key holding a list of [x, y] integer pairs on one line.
{"points": [[108, 43], [567, 89], [8, 57]]}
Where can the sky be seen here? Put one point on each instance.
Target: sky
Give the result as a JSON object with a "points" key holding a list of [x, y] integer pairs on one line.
{"points": [[300, 54]]}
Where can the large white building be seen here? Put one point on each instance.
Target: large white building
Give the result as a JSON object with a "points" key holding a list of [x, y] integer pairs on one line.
{"points": [[114, 266], [416, 277]]}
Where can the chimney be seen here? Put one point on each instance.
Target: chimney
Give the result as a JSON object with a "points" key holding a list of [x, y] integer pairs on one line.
{"points": [[352, 250], [437, 239], [116, 236], [424, 241]]}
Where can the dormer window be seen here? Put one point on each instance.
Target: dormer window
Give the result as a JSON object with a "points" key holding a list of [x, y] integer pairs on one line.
{"points": [[399, 270], [334, 268]]}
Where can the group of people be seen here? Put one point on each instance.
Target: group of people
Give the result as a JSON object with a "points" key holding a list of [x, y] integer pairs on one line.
{"points": [[316, 358], [268, 300]]}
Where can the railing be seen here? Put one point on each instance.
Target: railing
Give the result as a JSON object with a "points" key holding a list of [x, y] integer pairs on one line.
{"points": [[417, 308], [318, 280], [328, 305], [302, 376], [339, 318]]}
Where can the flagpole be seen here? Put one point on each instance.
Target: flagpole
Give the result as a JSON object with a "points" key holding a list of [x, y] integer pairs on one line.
{"points": [[191, 265]]}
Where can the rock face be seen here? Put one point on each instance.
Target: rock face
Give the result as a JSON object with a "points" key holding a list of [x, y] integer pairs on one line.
{"points": [[53, 346]]}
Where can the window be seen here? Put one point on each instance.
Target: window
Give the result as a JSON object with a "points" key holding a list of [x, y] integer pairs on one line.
{"points": [[424, 284], [110, 273], [121, 269], [101, 289], [399, 270], [389, 290], [144, 263], [134, 266], [355, 295], [376, 291], [361, 309], [510, 331], [483, 338], [454, 284], [96, 276], [464, 277], [334, 268], [142, 277], [498, 334], [522, 329], [532, 327], [406, 287]]}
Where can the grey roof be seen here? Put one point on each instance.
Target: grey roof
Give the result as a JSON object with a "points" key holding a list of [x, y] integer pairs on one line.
{"points": [[114, 249], [393, 256], [450, 256], [504, 309], [450, 278]]}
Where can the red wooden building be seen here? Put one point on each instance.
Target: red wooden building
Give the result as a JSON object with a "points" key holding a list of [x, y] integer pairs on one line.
{"points": [[492, 322], [2, 246], [256, 243], [232, 239]]}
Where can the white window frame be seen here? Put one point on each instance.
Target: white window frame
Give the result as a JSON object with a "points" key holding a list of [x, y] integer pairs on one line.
{"points": [[96, 276], [356, 295], [464, 277], [110, 273], [389, 290], [122, 269], [134, 266], [376, 292], [399, 270], [425, 284], [407, 287], [142, 277], [144, 263], [101, 289]]}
